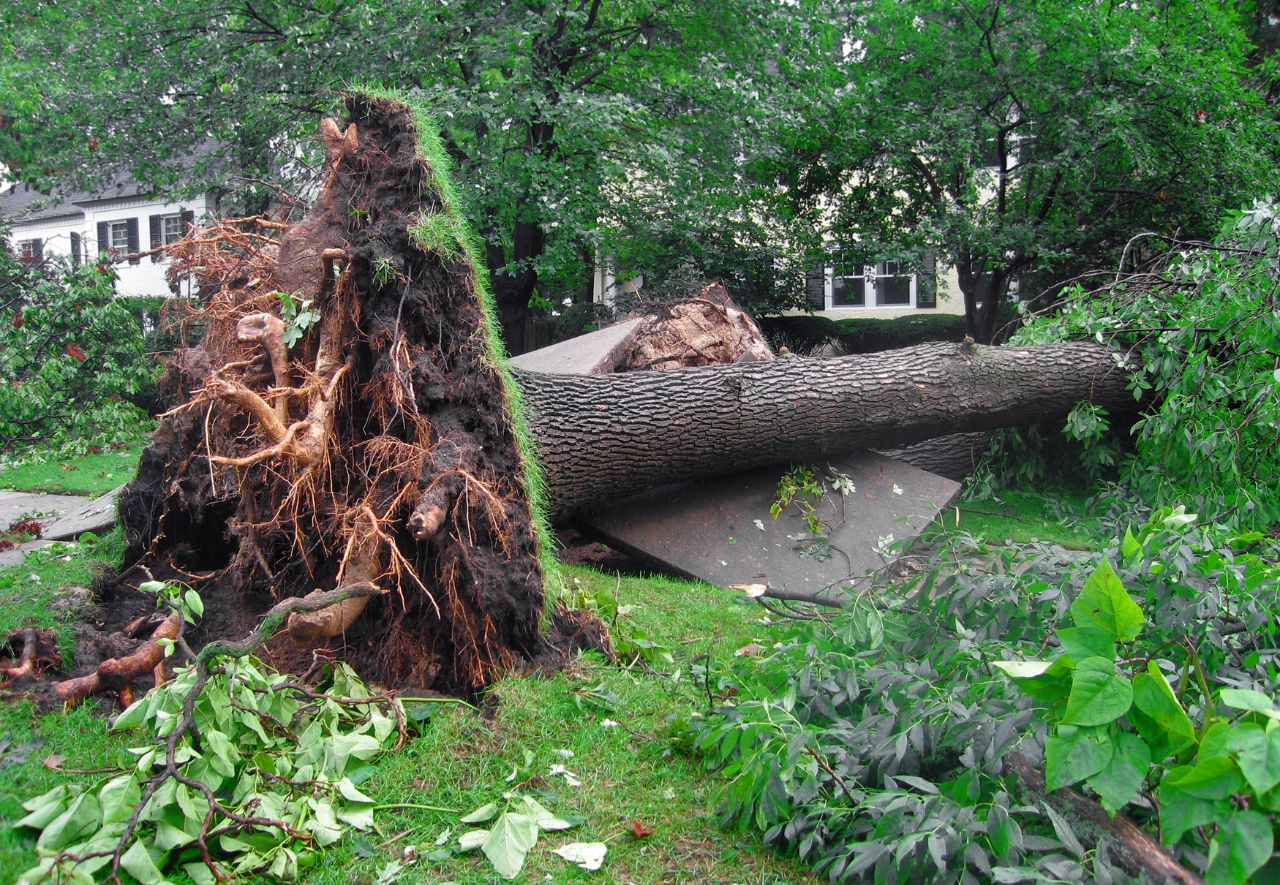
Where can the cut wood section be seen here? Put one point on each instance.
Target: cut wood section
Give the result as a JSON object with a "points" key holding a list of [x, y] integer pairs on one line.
{"points": [[709, 330], [601, 437]]}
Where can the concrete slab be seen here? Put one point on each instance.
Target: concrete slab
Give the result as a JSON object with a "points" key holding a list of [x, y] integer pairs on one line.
{"points": [[591, 354], [15, 555], [96, 515], [17, 505], [720, 530]]}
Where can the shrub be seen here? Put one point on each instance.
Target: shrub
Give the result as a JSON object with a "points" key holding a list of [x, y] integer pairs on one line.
{"points": [[71, 356], [1198, 322], [873, 745]]}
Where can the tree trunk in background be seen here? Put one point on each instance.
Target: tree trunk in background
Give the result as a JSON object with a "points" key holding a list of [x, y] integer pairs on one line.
{"points": [[600, 437]]}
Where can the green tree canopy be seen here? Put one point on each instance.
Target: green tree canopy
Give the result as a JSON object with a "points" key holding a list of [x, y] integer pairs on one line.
{"points": [[576, 125], [1031, 138]]}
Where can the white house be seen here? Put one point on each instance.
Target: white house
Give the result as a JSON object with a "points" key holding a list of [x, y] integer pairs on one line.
{"points": [[122, 219]]}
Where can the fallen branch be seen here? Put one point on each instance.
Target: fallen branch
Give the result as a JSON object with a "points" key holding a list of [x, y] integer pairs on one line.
{"points": [[1134, 851], [187, 725]]}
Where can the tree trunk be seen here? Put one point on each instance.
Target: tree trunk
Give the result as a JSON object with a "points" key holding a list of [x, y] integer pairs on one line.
{"points": [[600, 437]]}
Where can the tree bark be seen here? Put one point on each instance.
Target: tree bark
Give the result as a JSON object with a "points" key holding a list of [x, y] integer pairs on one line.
{"points": [[605, 436], [1133, 849]]}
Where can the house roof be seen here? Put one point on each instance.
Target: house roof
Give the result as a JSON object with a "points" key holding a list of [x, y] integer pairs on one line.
{"points": [[20, 203]]}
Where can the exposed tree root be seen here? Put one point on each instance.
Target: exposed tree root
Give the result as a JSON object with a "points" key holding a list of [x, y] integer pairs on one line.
{"points": [[378, 449], [118, 674], [38, 651]]}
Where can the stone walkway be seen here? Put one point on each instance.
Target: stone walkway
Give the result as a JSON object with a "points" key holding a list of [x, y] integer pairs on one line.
{"points": [[71, 516]]}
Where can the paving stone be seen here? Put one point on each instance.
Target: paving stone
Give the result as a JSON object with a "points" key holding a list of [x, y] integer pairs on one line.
{"points": [[17, 505], [96, 515], [720, 530], [591, 354], [15, 555]]}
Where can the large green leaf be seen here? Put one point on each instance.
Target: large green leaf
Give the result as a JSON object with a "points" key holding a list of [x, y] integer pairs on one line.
{"points": [[1258, 753], [1106, 605], [1087, 642], [1195, 795], [1098, 694], [82, 817], [1244, 844], [1122, 777], [1046, 681], [1248, 699], [1073, 754], [1153, 696], [140, 864], [509, 842]]}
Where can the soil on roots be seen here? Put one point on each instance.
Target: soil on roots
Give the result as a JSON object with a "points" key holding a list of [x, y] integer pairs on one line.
{"points": [[400, 464]]}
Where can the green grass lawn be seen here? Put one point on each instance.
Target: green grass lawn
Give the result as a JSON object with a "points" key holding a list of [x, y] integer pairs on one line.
{"points": [[605, 723], [90, 475], [463, 758], [1063, 517]]}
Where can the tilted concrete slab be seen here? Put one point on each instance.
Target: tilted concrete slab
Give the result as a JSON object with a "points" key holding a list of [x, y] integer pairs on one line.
{"points": [[594, 353], [16, 555], [720, 530], [19, 505], [96, 515]]}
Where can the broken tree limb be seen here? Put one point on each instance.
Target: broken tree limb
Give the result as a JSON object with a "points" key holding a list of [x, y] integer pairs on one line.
{"points": [[1132, 848], [601, 437]]}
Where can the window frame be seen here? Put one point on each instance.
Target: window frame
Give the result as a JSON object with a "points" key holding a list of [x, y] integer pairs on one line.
{"points": [[167, 236], [870, 277], [122, 226]]}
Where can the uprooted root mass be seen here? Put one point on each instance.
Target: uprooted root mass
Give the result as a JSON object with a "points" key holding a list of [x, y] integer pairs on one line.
{"points": [[379, 448]]}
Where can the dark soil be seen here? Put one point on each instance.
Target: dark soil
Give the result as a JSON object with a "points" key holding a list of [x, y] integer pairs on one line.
{"points": [[420, 413]]}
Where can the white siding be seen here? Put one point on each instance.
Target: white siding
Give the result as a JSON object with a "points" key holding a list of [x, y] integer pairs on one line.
{"points": [[144, 278]]}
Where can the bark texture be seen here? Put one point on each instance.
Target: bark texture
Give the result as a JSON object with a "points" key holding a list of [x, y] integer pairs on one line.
{"points": [[601, 437], [954, 455], [1131, 848]]}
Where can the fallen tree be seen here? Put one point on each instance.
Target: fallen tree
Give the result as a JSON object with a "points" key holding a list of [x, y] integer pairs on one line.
{"points": [[347, 423], [599, 437]]}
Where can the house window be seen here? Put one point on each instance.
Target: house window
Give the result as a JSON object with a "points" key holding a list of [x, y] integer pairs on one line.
{"points": [[887, 284], [171, 229], [31, 251], [118, 236]]}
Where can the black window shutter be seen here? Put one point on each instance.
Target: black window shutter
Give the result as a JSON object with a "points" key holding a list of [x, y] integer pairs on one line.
{"points": [[134, 242], [104, 238], [76, 250], [37, 251], [815, 288], [188, 219], [156, 222], [927, 282]]}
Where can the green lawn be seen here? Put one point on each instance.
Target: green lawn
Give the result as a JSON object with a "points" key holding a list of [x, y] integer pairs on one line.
{"points": [[90, 475], [1063, 517], [463, 759]]}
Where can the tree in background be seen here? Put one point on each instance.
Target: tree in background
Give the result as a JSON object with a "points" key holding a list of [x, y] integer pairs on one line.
{"points": [[1029, 138], [570, 121], [71, 358]]}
